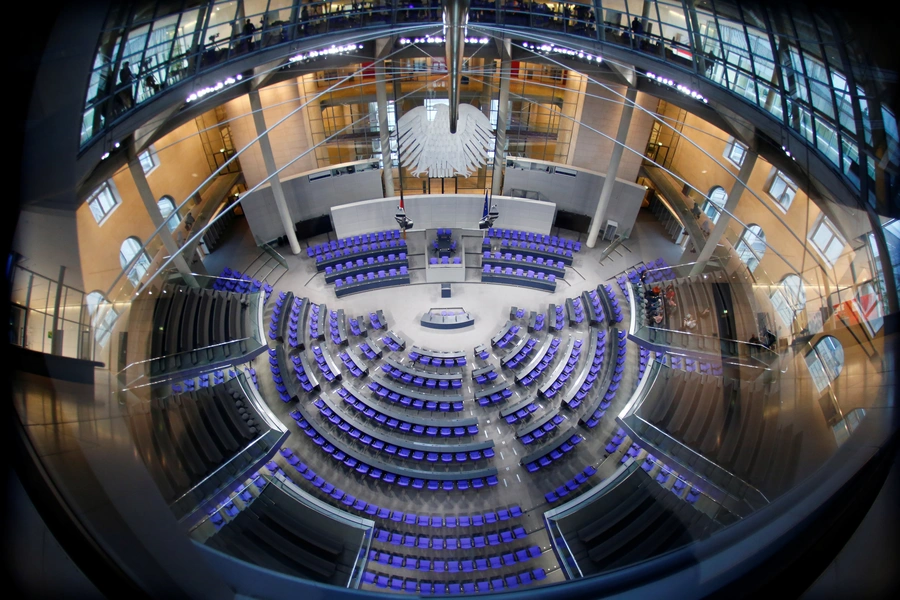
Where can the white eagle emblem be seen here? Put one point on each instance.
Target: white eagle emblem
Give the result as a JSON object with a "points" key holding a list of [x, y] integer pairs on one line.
{"points": [[428, 146]]}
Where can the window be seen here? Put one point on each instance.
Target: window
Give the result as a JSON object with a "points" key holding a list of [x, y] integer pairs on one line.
{"points": [[431, 105], [827, 240], [789, 298], [131, 250], [102, 202], [167, 207], [103, 316], [752, 246], [149, 160], [735, 152], [715, 202], [825, 362], [782, 190]]}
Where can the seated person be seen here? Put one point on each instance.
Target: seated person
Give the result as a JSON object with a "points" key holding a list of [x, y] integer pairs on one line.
{"points": [[670, 291], [689, 322]]}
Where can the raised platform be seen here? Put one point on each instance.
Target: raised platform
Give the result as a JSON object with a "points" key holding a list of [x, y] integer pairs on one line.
{"points": [[447, 318]]}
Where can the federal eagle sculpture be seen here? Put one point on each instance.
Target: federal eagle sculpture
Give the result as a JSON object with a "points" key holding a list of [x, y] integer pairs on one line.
{"points": [[428, 147]]}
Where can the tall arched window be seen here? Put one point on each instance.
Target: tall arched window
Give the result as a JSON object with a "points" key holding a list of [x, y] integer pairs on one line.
{"points": [[825, 361], [167, 207], [752, 246], [102, 314], [130, 249], [789, 298], [715, 201]]}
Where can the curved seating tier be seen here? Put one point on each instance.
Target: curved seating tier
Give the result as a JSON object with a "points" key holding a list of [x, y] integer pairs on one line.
{"points": [[428, 588], [192, 328], [570, 486], [396, 538], [527, 236], [337, 327], [518, 261], [393, 341], [534, 431], [519, 410], [419, 378], [495, 394], [370, 281], [383, 262], [354, 240], [534, 368], [406, 422], [438, 358], [279, 533], [384, 514], [612, 309], [593, 305], [484, 374], [633, 521], [184, 438], [563, 370], [395, 391], [527, 278], [326, 364], [505, 335], [375, 468], [523, 348], [584, 382], [235, 281], [603, 402], [454, 564], [556, 316], [406, 449], [316, 321], [354, 363], [532, 249], [364, 252], [377, 320], [543, 457]]}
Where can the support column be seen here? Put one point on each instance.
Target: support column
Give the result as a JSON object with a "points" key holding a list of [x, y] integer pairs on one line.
{"points": [[269, 160], [57, 340], [143, 188], [709, 246], [502, 118], [694, 31], [382, 47], [610, 181]]}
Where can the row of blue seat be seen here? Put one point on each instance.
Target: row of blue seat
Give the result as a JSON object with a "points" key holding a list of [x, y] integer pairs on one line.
{"points": [[370, 261], [445, 260], [543, 365], [421, 380], [613, 302], [358, 249], [485, 377], [373, 510], [507, 337], [513, 361], [563, 377], [657, 270], [235, 281], [527, 236], [496, 397], [393, 344], [189, 385], [314, 321], [372, 275], [597, 305], [532, 246], [375, 321], [394, 449], [558, 318], [528, 259], [388, 477], [540, 275], [543, 430], [356, 240], [370, 352], [591, 421], [404, 426], [571, 485], [593, 370], [324, 367], [555, 454], [351, 365], [454, 565], [409, 540], [336, 328], [437, 588], [413, 402]]}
